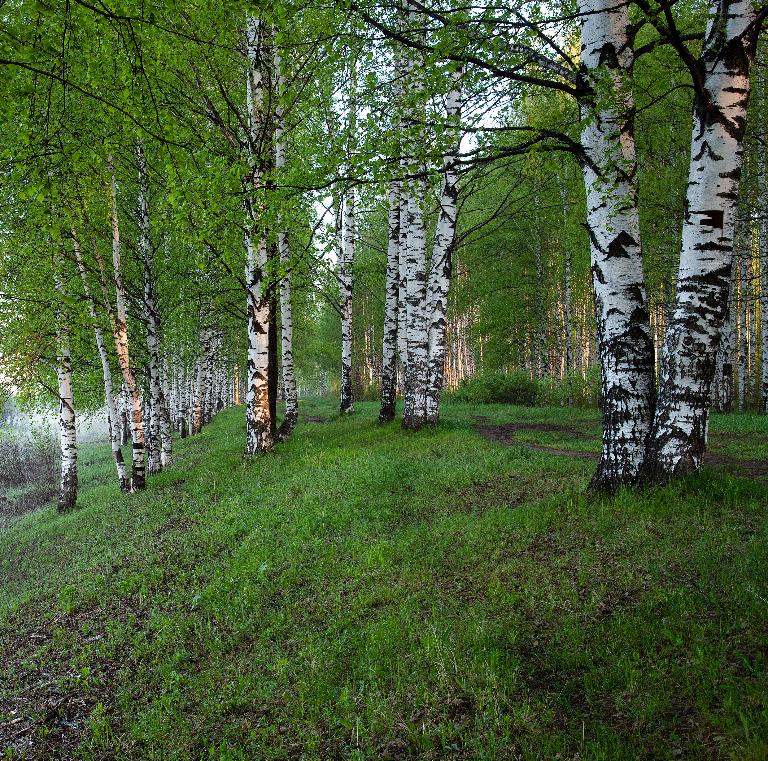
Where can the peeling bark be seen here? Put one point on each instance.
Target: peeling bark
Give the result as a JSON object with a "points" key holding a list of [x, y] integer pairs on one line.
{"points": [[67, 427], [259, 423], [138, 471], [442, 254], [679, 434], [113, 419], [608, 163]]}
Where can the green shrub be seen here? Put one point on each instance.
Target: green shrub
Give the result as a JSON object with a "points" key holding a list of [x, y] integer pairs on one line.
{"points": [[516, 387]]}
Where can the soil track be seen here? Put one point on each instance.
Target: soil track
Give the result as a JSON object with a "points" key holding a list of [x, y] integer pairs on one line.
{"points": [[504, 434]]}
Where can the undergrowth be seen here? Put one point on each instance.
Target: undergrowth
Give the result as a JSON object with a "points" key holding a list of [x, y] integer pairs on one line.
{"points": [[366, 593]]}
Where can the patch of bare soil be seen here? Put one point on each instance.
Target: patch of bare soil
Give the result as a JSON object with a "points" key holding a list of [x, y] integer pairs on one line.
{"points": [[756, 469], [47, 708], [13, 507], [314, 419], [503, 434]]}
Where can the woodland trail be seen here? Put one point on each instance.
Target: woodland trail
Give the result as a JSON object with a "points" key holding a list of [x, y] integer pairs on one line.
{"points": [[756, 469]]}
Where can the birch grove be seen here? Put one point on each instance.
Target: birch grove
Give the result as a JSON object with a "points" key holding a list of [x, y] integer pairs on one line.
{"points": [[448, 143]]}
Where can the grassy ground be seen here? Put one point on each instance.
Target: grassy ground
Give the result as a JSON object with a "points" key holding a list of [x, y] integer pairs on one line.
{"points": [[369, 594]]}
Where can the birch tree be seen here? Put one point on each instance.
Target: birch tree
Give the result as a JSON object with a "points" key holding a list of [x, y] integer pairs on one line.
{"points": [[286, 313], [67, 423], [442, 252], [609, 167], [721, 79], [113, 420], [138, 469], [259, 421], [416, 365]]}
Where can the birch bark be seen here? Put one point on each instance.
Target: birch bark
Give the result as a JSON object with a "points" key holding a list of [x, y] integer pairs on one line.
{"points": [[113, 420], [764, 301], [286, 312], [347, 254], [138, 470], [416, 367], [67, 428], [202, 372], [442, 253], [762, 157], [608, 164], [259, 421], [679, 434], [389, 343], [154, 440]]}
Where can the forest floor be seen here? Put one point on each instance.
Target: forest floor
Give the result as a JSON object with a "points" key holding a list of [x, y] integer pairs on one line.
{"points": [[366, 593]]}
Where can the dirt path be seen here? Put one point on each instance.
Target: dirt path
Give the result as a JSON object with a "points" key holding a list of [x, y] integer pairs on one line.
{"points": [[504, 434]]}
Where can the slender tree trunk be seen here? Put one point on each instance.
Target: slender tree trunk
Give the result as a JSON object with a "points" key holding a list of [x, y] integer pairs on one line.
{"points": [[414, 415], [67, 427], [402, 267], [763, 150], [679, 434], [286, 314], [345, 295], [154, 440], [389, 344], [138, 470], [289, 378], [442, 254], [608, 164], [259, 424], [568, 315], [347, 253], [113, 419], [743, 270], [198, 414]]}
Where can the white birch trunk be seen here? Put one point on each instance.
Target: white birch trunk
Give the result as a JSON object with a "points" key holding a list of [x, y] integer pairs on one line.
{"points": [[764, 280], [414, 415], [608, 164], [345, 299], [67, 428], [389, 343], [743, 270], [679, 435], [113, 418], [346, 260], [138, 470], [402, 283], [286, 313], [258, 415], [442, 253], [166, 427], [198, 413], [156, 402]]}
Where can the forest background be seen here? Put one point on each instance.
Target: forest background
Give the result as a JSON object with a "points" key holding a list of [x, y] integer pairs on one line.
{"points": [[154, 105], [181, 185]]}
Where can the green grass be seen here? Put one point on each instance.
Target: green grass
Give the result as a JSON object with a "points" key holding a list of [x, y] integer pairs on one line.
{"points": [[365, 593]]}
